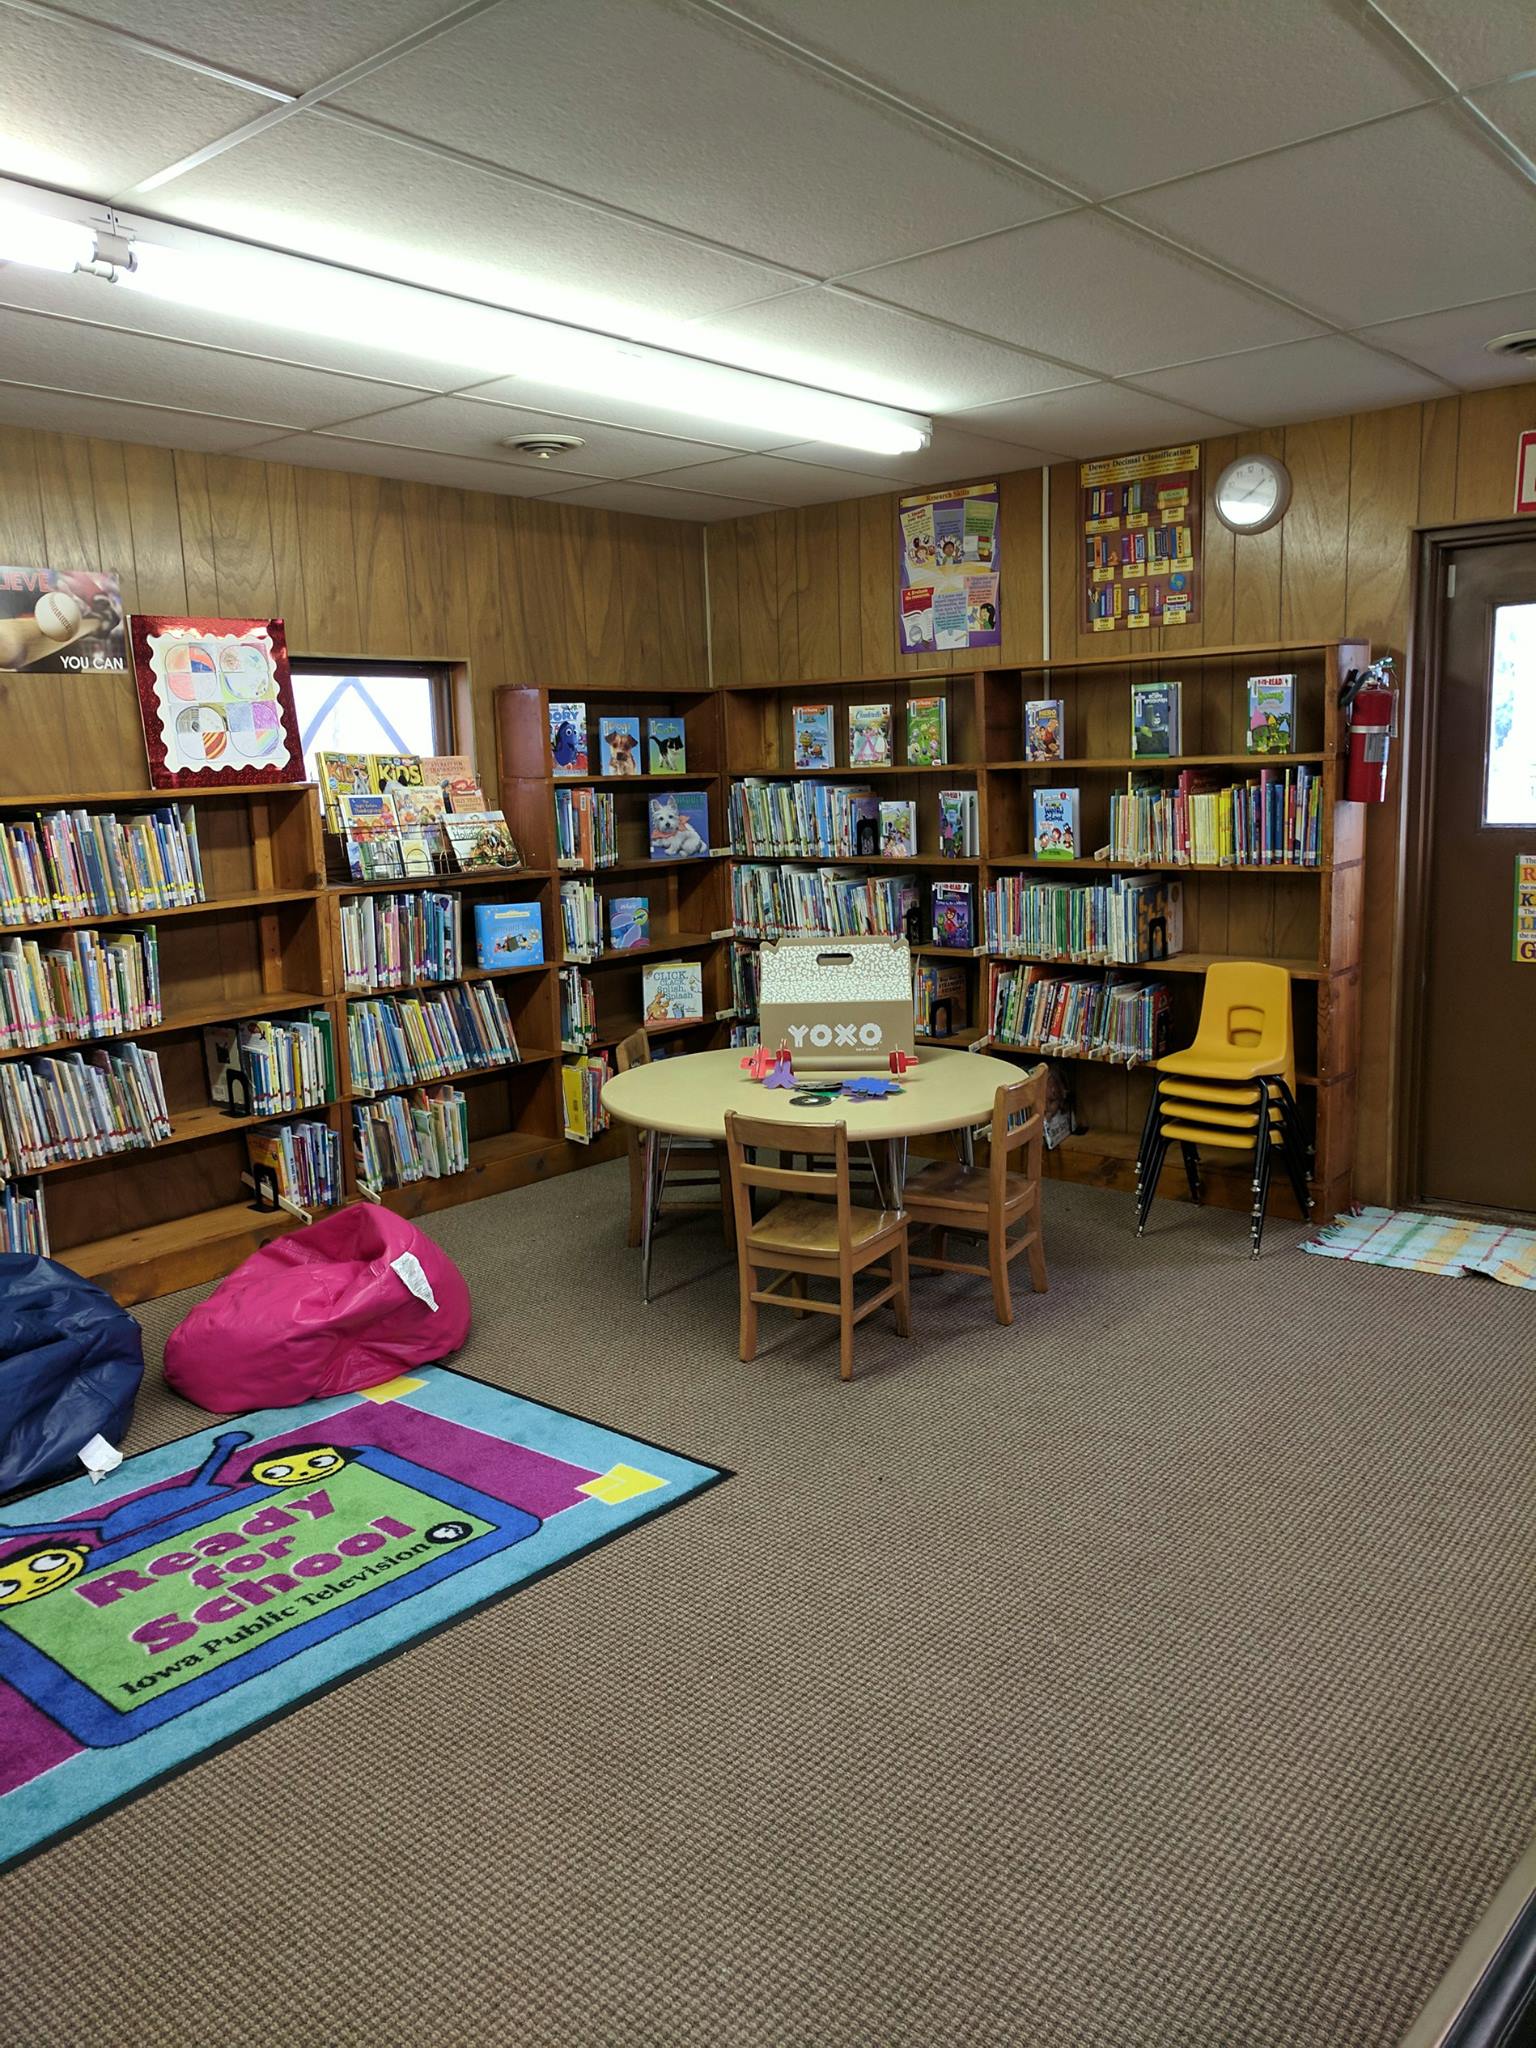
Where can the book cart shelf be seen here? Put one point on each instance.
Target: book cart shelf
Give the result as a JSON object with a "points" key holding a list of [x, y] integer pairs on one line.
{"points": [[1304, 918], [689, 899]]}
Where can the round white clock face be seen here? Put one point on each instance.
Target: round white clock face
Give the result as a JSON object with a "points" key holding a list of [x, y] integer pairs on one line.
{"points": [[1252, 493]]}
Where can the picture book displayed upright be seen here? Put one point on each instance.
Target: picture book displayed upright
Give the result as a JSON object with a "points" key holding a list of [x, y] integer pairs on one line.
{"points": [[680, 825], [508, 935], [814, 744], [667, 739], [1271, 714], [1043, 718], [568, 737], [1140, 519], [618, 742], [927, 732], [869, 735], [1055, 824], [1156, 720], [215, 701]]}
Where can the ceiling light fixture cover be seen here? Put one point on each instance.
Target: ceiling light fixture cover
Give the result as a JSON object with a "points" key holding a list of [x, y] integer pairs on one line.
{"points": [[1521, 343], [545, 446], [347, 305]]}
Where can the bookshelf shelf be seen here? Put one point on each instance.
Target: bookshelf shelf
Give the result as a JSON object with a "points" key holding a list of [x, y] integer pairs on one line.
{"points": [[213, 906], [674, 942], [1180, 963], [496, 878], [1079, 870], [273, 1003], [640, 867], [648, 781], [96, 799]]}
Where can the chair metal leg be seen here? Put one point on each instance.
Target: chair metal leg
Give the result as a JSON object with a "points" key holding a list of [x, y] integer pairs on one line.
{"points": [[1192, 1170], [1262, 1157], [1148, 1187]]}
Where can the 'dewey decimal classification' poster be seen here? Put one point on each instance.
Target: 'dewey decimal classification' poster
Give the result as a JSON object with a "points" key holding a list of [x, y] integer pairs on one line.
{"points": [[950, 549]]}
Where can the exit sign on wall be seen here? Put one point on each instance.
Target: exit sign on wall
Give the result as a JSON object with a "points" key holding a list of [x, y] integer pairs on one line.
{"points": [[1525, 472]]}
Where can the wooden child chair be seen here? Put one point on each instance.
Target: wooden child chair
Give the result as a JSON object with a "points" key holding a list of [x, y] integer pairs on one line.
{"points": [[682, 1166], [991, 1201], [816, 1232]]}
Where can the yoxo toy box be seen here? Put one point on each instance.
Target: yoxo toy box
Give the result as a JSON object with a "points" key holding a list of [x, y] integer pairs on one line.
{"points": [[837, 1003]]}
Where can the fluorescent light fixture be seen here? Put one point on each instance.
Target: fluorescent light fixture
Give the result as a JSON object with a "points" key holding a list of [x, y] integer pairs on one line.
{"points": [[302, 296]]}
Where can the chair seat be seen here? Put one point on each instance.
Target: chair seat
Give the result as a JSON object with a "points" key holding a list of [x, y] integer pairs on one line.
{"points": [[801, 1225], [953, 1183], [1207, 1134], [1171, 1113], [1236, 1063], [1228, 1094]]}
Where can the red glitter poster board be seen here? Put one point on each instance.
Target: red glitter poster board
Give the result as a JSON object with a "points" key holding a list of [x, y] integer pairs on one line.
{"points": [[216, 702]]}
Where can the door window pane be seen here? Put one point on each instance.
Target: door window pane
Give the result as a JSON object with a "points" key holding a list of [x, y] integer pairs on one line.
{"points": [[1511, 786], [365, 714]]}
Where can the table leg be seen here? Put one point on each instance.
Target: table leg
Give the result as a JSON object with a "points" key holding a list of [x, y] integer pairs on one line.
{"points": [[649, 1153], [967, 1147]]}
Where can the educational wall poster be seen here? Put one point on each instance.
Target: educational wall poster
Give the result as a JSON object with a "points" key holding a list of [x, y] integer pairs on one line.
{"points": [[1141, 539], [60, 621], [950, 547], [1525, 909], [216, 702]]}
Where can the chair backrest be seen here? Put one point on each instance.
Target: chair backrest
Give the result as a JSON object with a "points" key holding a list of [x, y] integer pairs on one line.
{"points": [[1018, 1125], [744, 1135], [634, 1051], [1247, 1003]]}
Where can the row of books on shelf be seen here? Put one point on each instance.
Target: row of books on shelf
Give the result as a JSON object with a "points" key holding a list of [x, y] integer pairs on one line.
{"points": [[1276, 820], [388, 838], [85, 986], [304, 1160], [871, 728], [448, 781], [843, 821], [23, 1218], [1128, 919], [771, 902], [401, 1139], [56, 1110], [581, 1087], [78, 863], [586, 828], [268, 1065], [578, 1009], [398, 1040], [618, 739], [396, 941], [1037, 1011], [1157, 719]]}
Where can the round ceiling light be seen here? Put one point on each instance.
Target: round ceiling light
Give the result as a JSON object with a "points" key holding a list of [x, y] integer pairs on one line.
{"points": [[544, 446], [1520, 343]]}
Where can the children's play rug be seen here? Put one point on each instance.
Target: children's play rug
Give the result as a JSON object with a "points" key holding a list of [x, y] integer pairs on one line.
{"points": [[1430, 1244], [207, 1586]]}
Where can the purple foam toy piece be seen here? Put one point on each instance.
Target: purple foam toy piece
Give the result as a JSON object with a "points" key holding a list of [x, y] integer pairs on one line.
{"points": [[870, 1088], [783, 1075]]}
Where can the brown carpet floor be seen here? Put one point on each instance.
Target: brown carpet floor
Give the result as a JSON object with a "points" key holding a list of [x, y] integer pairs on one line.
{"points": [[1155, 1674]]}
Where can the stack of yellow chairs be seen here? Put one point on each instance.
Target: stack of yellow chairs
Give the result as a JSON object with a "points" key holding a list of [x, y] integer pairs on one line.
{"points": [[1233, 1090]]}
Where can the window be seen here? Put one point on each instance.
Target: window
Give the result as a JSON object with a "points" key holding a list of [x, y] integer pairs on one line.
{"points": [[1510, 797], [371, 711]]}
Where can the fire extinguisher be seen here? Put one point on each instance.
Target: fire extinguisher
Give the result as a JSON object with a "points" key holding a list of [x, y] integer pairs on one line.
{"points": [[1368, 700]]}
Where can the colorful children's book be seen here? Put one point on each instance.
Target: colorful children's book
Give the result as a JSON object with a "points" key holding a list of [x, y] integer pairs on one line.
{"points": [[898, 829], [373, 838], [668, 742], [680, 825], [673, 992], [481, 839], [383, 769], [340, 775], [618, 741], [509, 934], [927, 732], [869, 735], [952, 920], [813, 736], [1271, 714], [417, 850], [959, 824], [941, 998], [454, 775], [629, 922], [1056, 824], [1042, 728], [568, 738], [864, 818], [1156, 721]]}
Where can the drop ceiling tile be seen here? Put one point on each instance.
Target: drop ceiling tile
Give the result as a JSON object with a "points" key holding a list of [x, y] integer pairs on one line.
{"points": [[1092, 291], [412, 465], [1472, 41], [653, 502], [1109, 96], [843, 343], [330, 189], [471, 426], [79, 112], [633, 413], [670, 112], [952, 457], [772, 482], [1306, 380], [1512, 109], [1406, 216], [1098, 419], [75, 412], [1451, 343], [38, 349], [288, 43]]}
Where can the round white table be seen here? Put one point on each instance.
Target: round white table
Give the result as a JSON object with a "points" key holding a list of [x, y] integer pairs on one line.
{"points": [[690, 1097]]}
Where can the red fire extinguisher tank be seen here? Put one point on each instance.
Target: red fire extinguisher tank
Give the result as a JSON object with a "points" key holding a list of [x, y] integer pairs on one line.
{"points": [[1370, 705]]}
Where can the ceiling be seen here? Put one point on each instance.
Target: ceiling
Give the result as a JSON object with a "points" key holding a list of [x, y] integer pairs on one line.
{"points": [[1060, 227]]}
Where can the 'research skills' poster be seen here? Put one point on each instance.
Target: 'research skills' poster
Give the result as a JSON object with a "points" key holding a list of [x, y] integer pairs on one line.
{"points": [[950, 548]]}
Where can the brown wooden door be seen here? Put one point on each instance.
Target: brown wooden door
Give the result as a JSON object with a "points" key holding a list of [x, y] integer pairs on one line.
{"points": [[1477, 1070]]}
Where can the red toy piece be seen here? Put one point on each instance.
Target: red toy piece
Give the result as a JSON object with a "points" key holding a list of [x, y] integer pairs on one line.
{"points": [[900, 1061], [759, 1063]]}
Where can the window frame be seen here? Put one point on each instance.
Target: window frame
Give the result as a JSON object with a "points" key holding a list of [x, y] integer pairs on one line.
{"points": [[439, 675]]}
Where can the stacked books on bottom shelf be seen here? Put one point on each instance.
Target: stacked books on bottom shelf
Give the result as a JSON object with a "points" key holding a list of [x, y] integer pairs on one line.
{"points": [[581, 919], [1092, 1019], [23, 1219], [814, 903], [304, 1159], [271, 1064], [578, 1010], [399, 1040], [586, 829], [391, 941], [400, 1139], [82, 987], [1127, 919], [581, 1083], [1275, 819], [79, 1105], [69, 864]]}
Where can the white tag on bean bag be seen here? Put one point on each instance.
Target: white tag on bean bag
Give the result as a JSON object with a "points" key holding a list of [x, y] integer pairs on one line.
{"points": [[408, 1266]]}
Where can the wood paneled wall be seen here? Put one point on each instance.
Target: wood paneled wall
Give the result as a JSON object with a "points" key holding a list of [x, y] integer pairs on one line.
{"points": [[810, 594], [521, 591]]}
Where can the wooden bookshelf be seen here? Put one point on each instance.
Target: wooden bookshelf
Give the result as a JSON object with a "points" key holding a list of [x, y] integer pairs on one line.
{"points": [[1307, 919]]}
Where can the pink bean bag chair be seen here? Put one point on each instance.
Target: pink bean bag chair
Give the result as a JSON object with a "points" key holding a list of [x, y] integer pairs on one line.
{"points": [[343, 1303]]}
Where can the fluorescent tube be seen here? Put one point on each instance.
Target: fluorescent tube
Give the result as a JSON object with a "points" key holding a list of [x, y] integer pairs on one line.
{"points": [[42, 242]]}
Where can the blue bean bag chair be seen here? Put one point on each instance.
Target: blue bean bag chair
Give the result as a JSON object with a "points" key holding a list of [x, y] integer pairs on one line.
{"points": [[70, 1365]]}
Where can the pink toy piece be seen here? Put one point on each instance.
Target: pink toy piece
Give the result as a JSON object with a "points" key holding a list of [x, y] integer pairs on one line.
{"points": [[338, 1305], [758, 1063]]}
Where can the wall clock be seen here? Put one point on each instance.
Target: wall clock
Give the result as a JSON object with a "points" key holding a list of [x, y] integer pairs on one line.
{"points": [[1252, 493]]}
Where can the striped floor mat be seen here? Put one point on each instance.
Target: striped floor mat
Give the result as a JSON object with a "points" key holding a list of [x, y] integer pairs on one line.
{"points": [[1430, 1244]]}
